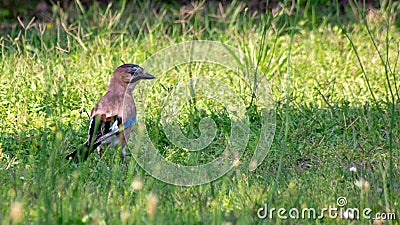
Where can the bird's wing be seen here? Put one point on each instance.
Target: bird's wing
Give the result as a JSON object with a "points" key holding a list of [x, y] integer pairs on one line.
{"points": [[102, 129], [105, 119], [100, 132], [114, 113], [109, 105]]}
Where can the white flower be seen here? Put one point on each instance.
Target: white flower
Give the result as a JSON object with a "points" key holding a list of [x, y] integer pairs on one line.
{"points": [[352, 169]]}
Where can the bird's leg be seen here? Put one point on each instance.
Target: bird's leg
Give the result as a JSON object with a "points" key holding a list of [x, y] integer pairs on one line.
{"points": [[99, 151], [123, 153]]}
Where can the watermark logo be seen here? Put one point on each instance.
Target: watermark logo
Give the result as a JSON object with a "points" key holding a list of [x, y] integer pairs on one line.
{"points": [[339, 211], [341, 201], [150, 159]]}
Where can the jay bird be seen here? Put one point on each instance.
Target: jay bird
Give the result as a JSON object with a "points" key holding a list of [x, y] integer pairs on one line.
{"points": [[112, 117]]}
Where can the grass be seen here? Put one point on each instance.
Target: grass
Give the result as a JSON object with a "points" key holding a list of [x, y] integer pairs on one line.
{"points": [[334, 84]]}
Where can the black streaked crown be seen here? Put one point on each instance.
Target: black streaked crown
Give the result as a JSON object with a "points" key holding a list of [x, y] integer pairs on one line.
{"points": [[130, 68]]}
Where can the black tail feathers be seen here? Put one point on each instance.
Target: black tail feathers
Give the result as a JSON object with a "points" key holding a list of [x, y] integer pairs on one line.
{"points": [[79, 155]]}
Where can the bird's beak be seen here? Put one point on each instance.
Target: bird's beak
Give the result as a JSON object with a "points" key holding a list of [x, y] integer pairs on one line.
{"points": [[147, 76]]}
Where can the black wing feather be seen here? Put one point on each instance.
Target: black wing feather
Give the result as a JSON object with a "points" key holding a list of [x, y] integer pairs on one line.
{"points": [[99, 131]]}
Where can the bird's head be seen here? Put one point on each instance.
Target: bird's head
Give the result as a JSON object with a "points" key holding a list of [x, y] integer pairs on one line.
{"points": [[127, 76], [131, 73]]}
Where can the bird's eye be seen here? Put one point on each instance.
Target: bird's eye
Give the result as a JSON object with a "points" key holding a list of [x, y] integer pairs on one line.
{"points": [[136, 72], [132, 71]]}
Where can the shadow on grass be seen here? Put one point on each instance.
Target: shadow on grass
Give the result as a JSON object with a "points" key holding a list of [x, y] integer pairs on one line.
{"points": [[312, 14]]}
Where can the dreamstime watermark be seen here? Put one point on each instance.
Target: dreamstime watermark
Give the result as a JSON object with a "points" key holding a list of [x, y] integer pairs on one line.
{"points": [[211, 87], [332, 212]]}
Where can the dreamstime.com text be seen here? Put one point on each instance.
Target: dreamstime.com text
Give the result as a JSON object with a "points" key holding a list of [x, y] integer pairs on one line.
{"points": [[333, 212]]}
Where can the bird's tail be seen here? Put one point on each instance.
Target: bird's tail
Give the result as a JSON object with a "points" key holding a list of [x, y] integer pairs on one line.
{"points": [[82, 153], [79, 155]]}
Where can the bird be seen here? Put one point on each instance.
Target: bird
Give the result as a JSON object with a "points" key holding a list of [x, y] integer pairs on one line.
{"points": [[112, 117]]}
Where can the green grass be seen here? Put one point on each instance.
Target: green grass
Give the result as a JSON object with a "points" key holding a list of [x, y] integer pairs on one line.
{"points": [[331, 113]]}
